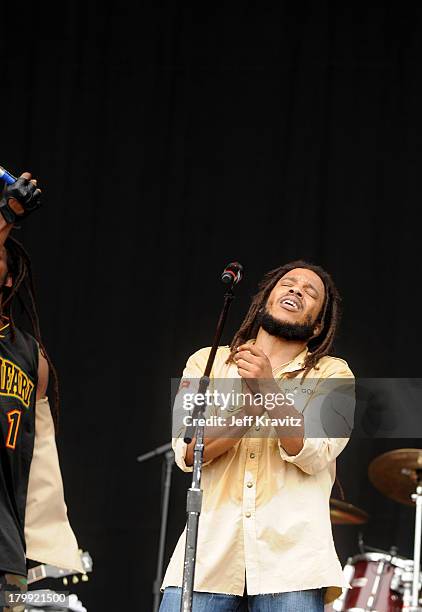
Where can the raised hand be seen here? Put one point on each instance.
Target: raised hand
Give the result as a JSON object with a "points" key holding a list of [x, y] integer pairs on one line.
{"points": [[20, 199]]}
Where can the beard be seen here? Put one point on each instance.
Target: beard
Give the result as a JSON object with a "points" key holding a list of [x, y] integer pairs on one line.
{"points": [[283, 329]]}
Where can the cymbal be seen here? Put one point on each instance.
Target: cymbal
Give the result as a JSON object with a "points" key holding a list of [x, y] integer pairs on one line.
{"points": [[342, 513], [394, 474]]}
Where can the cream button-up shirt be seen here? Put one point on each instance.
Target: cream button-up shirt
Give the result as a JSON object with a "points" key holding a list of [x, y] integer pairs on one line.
{"points": [[265, 514]]}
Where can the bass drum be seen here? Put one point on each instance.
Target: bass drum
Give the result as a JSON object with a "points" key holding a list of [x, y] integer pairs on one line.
{"points": [[376, 586]]}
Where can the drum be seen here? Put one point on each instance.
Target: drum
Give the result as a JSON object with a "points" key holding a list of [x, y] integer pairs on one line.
{"points": [[377, 583]]}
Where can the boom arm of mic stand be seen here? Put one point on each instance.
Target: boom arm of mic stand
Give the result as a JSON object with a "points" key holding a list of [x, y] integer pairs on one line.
{"points": [[157, 451], [194, 496]]}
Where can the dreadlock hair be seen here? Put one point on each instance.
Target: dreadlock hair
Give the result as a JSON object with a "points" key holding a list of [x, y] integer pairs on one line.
{"points": [[23, 291], [329, 316]]}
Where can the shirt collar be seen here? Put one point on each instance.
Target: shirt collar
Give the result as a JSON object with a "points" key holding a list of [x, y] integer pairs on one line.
{"points": [[296, 364]]}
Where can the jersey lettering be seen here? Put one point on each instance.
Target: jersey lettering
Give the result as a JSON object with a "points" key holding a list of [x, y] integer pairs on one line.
{"points": [[14, 382]]}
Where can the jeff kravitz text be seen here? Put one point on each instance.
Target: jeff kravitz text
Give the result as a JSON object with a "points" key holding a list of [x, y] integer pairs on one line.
{"points": [[245, 420]]}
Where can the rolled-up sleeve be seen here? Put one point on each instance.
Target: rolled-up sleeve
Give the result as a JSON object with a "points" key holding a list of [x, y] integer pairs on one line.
{"points": [[193, 371], [330, 411], [179, 447], [316, 453]]}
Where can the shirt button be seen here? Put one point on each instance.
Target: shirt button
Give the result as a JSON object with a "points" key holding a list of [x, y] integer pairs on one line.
{"points": [[252, 455], [248, 514], [249, 485], [257, 428]]}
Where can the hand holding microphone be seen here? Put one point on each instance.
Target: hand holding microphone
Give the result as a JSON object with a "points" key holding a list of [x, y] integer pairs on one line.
{"points": [[20, 197]]}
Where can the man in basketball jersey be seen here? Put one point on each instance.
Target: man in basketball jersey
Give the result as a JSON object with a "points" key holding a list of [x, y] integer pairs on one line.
{"points": [[25, 418]]}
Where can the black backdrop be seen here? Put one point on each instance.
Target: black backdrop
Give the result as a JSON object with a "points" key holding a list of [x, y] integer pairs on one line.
{"points": [[170, 139]]}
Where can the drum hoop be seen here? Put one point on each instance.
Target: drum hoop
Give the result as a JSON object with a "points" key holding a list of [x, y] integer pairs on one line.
{"points": [[371, 556], [377, 557]]}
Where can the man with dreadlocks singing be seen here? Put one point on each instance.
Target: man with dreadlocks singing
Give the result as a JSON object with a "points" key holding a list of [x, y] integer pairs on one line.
{"points": [[265, 542], [33, 517]]}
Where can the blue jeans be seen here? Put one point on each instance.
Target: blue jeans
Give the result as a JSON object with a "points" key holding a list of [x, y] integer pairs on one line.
{"points": [[294, 601]]}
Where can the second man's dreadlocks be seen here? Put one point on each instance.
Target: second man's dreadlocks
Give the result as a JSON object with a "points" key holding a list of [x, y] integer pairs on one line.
{"points": [[23, 292]]}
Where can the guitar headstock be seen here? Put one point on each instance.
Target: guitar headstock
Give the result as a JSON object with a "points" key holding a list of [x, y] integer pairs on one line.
{"points": [[51, 571]]}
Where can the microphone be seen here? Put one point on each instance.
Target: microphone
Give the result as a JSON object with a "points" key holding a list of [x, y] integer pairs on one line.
{"points": [[8, 178], [232, 273]]}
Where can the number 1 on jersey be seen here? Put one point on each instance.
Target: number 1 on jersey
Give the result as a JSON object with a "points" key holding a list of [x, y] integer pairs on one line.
{"points": [[14, 419]]}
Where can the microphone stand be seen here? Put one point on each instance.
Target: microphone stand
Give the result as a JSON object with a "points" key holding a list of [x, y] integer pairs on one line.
{"points": [[167, 451], [194, 495]]}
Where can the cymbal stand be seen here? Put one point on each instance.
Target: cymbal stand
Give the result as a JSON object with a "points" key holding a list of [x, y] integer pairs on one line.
{"points": [[417, 498]]}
